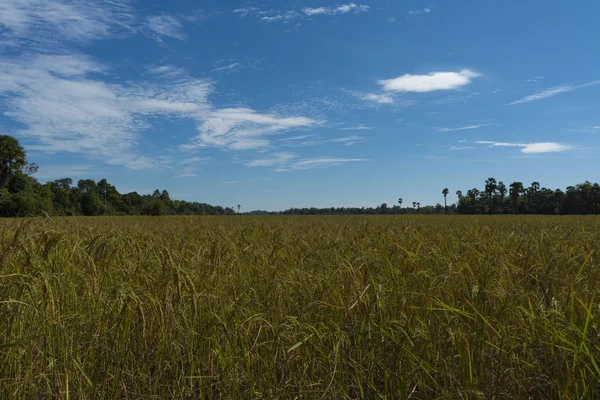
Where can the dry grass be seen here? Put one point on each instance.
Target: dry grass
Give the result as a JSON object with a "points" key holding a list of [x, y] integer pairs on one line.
{"points": [[300, 307]]}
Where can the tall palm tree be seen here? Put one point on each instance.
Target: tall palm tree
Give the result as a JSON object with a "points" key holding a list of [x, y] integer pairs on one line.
{"points": [[516, 188], [445, 193], [239, 208], [533, 191], [418, 206], [400, 202], [490, 189], [414, 203], [502, 190]]}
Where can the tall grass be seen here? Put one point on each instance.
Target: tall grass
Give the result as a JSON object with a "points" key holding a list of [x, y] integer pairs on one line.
{"points": [[300, 307]]}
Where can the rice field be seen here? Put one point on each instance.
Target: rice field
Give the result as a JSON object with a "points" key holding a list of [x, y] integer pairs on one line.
{"points": [[341, 307]]}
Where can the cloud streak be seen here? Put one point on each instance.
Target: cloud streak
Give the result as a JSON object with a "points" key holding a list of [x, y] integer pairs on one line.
{"points": [[530, 148], [341, 9], [167, 26], [462, 128], [546, 93]]}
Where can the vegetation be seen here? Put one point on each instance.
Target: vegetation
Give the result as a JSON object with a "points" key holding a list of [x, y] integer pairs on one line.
{"points": [[289, 307], [22, 195]]}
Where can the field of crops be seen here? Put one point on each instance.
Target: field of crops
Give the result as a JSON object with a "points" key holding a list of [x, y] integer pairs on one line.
{"points": [[416, 307]]}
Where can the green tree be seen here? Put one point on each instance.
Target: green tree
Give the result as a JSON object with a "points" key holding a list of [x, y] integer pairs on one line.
{"points": [[502, 191], [400, 203], [12, 158], [490, 190], [445, 193], [156, 208], [516, 188]]}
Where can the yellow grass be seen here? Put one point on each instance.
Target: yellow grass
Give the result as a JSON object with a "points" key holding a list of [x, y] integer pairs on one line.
{"points": [[417, 307]]}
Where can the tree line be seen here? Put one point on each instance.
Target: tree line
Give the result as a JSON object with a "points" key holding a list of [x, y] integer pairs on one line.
{"points": [[22, 195], [516, 198]]}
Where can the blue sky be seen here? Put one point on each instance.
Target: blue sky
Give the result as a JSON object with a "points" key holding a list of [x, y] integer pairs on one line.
{"points": [[277, 104]]}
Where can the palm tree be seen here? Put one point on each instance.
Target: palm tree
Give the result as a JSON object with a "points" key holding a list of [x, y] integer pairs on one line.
{"points": [[533, 191], [414, 204], [502, 191], [445, 193], [490, 189], [400, 202], [516, 188], [239, 208], [418, 206]]}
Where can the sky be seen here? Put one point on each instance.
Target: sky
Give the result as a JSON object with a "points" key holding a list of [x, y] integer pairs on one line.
{"points": [[277, 104]]}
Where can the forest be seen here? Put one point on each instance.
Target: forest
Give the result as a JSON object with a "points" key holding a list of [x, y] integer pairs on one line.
{"points": [[22, 195]]}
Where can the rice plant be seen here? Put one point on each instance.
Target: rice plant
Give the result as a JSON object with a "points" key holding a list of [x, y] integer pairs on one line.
{"points": [[417, 307]]}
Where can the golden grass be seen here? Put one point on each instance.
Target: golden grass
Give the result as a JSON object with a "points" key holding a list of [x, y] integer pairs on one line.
{"points": [[300, 307]]}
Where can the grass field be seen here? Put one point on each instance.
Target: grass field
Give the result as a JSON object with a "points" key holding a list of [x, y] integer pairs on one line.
{"points": [[300, 307]]}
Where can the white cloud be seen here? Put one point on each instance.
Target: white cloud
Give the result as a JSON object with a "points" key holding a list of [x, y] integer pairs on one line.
{"points": [[459, 148], [462, 128], [63, 106], [319, 162], [286, 16], [377, 98], [40, 22], [391, 19], [230, 67], [166, 25], [276, 160], [544, 94], [194, 160], [425, 10], [341, 9], [360, 127], [244, 128], [168, 71], [429, 82], [347, 141], [530, 148]]}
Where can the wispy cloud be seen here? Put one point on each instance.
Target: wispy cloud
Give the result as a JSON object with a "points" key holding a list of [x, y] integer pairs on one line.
{"points": [[165, 70], [319, 162], [40, 22], [430, 82], [425, 10], [530, 148], [544, 94], [286, 16], [462, 128], [277, 160], [227, 68], [167, 26], [244, 128], [360, 127], [535, 79], [64, 106], [194, 160], [284, 162], [376, 98], [459, 148], [341, 9], [346, 140]]}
